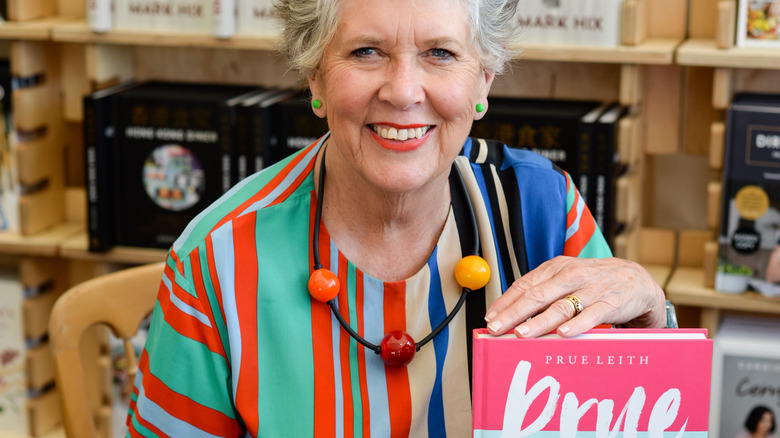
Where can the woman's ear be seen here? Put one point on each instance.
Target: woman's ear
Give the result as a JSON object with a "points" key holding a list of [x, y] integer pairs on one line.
{"points": [[481, 105], [317, 99]]}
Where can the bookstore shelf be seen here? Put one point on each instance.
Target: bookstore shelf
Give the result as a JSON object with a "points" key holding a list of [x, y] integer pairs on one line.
{"points": [[44, 243], [78, 32], [658, 51], [704, 53], [75, 247], [28, 30], [686, 287]]}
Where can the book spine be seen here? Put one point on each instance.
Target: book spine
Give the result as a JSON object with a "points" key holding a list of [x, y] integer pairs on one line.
{"points": [[98, 129], [242, 145], [224, 18], [226, 126], [585, 160], [605, 170], [99, 15]]}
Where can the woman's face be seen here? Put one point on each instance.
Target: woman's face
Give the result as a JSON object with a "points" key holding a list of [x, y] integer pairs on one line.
{"points": [[764, 424], [399, 85]]}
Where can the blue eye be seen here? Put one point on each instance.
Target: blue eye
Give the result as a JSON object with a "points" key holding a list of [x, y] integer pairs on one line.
{"points": [[441, 53], [364, 51]]}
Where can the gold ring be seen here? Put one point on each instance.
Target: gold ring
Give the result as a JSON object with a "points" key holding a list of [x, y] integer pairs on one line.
{"points": [[576, 303]]}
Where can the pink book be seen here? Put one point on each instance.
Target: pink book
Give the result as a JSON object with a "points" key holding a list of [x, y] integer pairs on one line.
{"points": [[605, 383]]}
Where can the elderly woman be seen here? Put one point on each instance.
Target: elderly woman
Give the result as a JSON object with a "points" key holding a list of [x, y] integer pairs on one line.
{"points": [[319, 297]]}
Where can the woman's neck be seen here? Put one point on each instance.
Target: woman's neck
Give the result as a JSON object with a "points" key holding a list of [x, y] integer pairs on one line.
{"points": [[386, 235]]}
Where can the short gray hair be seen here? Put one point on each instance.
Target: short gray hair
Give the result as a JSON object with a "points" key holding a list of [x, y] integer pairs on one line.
{"points": [[309, 25]]}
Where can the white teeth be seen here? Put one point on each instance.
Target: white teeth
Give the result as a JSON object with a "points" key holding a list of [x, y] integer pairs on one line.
{"points": [[391, 133]]}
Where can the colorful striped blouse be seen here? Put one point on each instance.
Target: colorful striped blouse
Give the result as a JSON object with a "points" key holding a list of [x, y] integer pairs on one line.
{"points": [[237, 348]]}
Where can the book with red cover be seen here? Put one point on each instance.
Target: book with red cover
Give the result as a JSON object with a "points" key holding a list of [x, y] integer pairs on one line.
{"points": [[604, 383]]}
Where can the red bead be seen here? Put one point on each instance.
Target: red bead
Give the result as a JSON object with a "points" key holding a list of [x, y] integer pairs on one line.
{"points": [[397, 348], [323, 285]]}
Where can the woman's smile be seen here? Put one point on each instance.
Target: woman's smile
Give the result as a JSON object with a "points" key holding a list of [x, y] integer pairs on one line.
{"points": [[400, 137]]}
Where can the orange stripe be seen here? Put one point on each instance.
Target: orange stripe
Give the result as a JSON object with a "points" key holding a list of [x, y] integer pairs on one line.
{"points": [[322, 346], [574, 244], [344, 341], [187, 325], [203, 298], [294, 185], [246, 271], [183, 408], [361, 358], [399, 396], [268, 188]]}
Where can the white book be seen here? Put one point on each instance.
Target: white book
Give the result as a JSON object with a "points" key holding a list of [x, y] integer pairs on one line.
{"points": [[99, 15], [191, 16], [225, 12], [745, 374], [571, 22], [138, 15], [13, 375], [758, 23], [255, 17]]}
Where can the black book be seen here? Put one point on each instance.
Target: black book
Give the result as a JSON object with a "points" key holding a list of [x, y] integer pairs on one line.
{"points": [[606, 170], [751, 192], [173, 157], [555, 129], [99, 147], [242, 163], [295, 127], [256, 113]]}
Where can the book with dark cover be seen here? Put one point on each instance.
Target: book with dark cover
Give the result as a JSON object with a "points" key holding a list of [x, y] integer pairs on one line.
{"points": [[173, 157], [255, 118], [605, 170], [295, 127], [750, 211], [99, 148], [242, 164], [557, 129]]}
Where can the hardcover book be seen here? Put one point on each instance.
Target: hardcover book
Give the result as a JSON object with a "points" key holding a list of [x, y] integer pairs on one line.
{"points": [[575, 22], [255, 17], [189, 16], [561, 130], [757, 23], [638, 382], [294, 126], [606, 169], [745, 377], [99, 147], [174, 147], [750, 211]]}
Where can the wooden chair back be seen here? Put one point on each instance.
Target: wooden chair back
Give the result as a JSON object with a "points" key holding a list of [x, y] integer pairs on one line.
{"points": [[120, 300]]}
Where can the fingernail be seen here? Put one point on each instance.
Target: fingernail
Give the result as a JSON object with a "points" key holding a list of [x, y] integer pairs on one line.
{"points": [[489, 317], [494, 326], [564, 329], [522, 330]]}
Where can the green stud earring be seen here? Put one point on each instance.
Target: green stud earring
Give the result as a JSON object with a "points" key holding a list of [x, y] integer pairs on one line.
{"points": [[480, 107], [316, 104]]}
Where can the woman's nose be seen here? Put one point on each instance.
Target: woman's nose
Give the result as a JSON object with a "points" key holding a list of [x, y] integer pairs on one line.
{"points": [[403, 85]]}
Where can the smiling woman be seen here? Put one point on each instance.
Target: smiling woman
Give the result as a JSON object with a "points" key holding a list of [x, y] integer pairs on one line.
{"points": [[334, 294]]}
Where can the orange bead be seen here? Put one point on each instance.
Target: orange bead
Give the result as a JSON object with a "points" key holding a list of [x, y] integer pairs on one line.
{"points": [[472, 272], [323, 285]]}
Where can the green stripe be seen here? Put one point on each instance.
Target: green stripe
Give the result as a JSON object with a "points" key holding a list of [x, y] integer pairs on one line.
{"points": [[570, 194], [284, 322], [140, 429], [168, 346], [354, 380], [596, 247]]}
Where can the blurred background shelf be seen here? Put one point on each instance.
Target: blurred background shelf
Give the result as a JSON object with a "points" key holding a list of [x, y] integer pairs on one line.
{"points": [[75, 247], [44, 243], [705, 53], [658, 51]]}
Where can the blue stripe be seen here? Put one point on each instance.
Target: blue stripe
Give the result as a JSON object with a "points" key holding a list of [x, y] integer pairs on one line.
{"points": [[437, 312], [224, 262], [480, 177], [184, 307], [374, 331], [336, 331]]}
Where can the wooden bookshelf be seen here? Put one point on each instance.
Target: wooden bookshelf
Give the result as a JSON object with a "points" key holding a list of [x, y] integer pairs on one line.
{"points": [[78, 32], [44, 243], [658, 51], [75, 247], [705, 53], [34, 30]]}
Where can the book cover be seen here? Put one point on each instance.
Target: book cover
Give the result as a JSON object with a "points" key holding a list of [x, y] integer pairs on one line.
{"points": [[99, 135], [637, 382], [294, 126], [606, 169], [750, 208], [224, 18], [13, 374], [746, 378], [173, 157], [757, 23], [242, 164], [575, 22], [560, 130], [255, 17], [587, 138], [190, 16]]}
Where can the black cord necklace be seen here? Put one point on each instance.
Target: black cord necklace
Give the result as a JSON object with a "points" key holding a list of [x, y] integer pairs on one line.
{"points": [[397, 347]]}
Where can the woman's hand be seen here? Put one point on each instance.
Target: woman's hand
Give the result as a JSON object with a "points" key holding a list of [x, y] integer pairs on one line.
{"points": [[612, 291]]}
